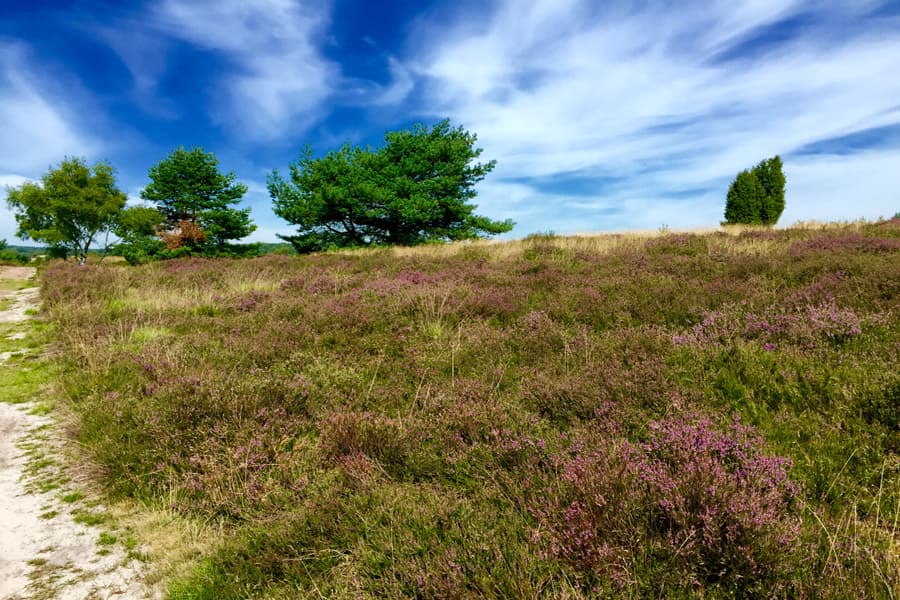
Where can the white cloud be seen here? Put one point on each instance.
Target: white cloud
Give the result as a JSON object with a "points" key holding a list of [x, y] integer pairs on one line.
{"points": [[12, 180], [145, 54], [7, 220], [280, 80], [402, 83], [38, 127], [636, 93]]}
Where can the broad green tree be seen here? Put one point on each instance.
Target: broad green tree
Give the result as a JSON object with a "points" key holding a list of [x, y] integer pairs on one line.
{"points": [[756, 197], [69, 209], [416, 188], [194, 196]]}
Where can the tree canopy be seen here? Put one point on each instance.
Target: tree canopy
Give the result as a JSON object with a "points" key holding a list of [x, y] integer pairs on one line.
{"points": [[71, 206], [414, 189], [196, 200], [756, 197], [138, 229]]}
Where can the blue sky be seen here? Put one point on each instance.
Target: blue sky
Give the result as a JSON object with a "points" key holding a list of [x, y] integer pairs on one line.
{"points": [[601, 115]]}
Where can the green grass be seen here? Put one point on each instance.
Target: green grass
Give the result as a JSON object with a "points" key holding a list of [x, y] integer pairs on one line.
{"points": [[72, 497], [14, 285], [24, 373], [91, 519], [106, 539], [411, 423]]}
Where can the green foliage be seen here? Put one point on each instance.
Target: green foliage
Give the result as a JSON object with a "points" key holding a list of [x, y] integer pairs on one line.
{"points": [[137, 228], [415, 189], [138, 221], [69, 209], [745, 200], [756, 197], [770, 174], [189, 189], [11, 255]]}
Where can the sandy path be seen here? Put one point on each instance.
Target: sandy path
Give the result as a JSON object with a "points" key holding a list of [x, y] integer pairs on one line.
{"points": [[44, 553]]}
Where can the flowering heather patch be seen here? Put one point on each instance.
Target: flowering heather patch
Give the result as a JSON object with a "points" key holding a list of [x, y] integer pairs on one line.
{"points": [[707, 503], [506, 420], [678, 244], [805, 326], [822, 290], [852, 242]]}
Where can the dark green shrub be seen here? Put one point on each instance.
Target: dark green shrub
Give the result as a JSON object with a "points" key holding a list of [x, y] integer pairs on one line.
{"points": [[745, 200], [756, 197]]}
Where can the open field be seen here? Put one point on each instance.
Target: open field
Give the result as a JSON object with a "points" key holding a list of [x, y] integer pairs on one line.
{"points": [[670, 415]]}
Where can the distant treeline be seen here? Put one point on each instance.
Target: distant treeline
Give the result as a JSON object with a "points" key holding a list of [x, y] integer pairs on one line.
{"points": [[18, 254], [14, 254]]}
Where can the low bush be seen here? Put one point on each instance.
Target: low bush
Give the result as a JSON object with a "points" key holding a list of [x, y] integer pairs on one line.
{"points": [[693, 506]]}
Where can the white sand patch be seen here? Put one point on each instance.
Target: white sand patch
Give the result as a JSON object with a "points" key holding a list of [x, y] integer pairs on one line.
{"points": [[54, 557], [25, 300]]}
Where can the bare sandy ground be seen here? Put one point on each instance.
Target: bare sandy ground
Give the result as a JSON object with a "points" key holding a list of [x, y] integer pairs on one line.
{"points": [[17, 273], [44, 553]]}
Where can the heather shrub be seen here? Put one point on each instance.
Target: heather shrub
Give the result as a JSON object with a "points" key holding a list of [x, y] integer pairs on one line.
{"points": [[470, 412], [806, 326], [401, 423], [681, 244], [850, 242], [706, 502], [386, 440], [536, 334]]}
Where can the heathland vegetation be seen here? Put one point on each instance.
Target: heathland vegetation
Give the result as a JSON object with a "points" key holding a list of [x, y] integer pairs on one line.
{"points": [[616, 416]]}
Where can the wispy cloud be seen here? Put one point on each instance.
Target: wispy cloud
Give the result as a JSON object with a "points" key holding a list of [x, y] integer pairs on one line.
{"points": [[12, 180], [279, 80], [145, 53], [402, 83], [652, 99], [39, 128], [602, 115]]}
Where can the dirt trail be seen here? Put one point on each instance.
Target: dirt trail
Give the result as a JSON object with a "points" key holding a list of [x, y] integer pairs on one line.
{"points": [[44, 552]]}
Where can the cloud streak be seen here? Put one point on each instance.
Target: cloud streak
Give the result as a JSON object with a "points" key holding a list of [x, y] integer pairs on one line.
{"points": [[39, 127], [645, 96], [279, 81]]}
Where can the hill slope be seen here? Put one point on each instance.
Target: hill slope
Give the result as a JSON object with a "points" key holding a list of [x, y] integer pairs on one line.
{"points": [[680, 415]]}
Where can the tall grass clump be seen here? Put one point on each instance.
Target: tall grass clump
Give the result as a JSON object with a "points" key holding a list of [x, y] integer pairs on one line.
{"points": [[670, 415]]}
